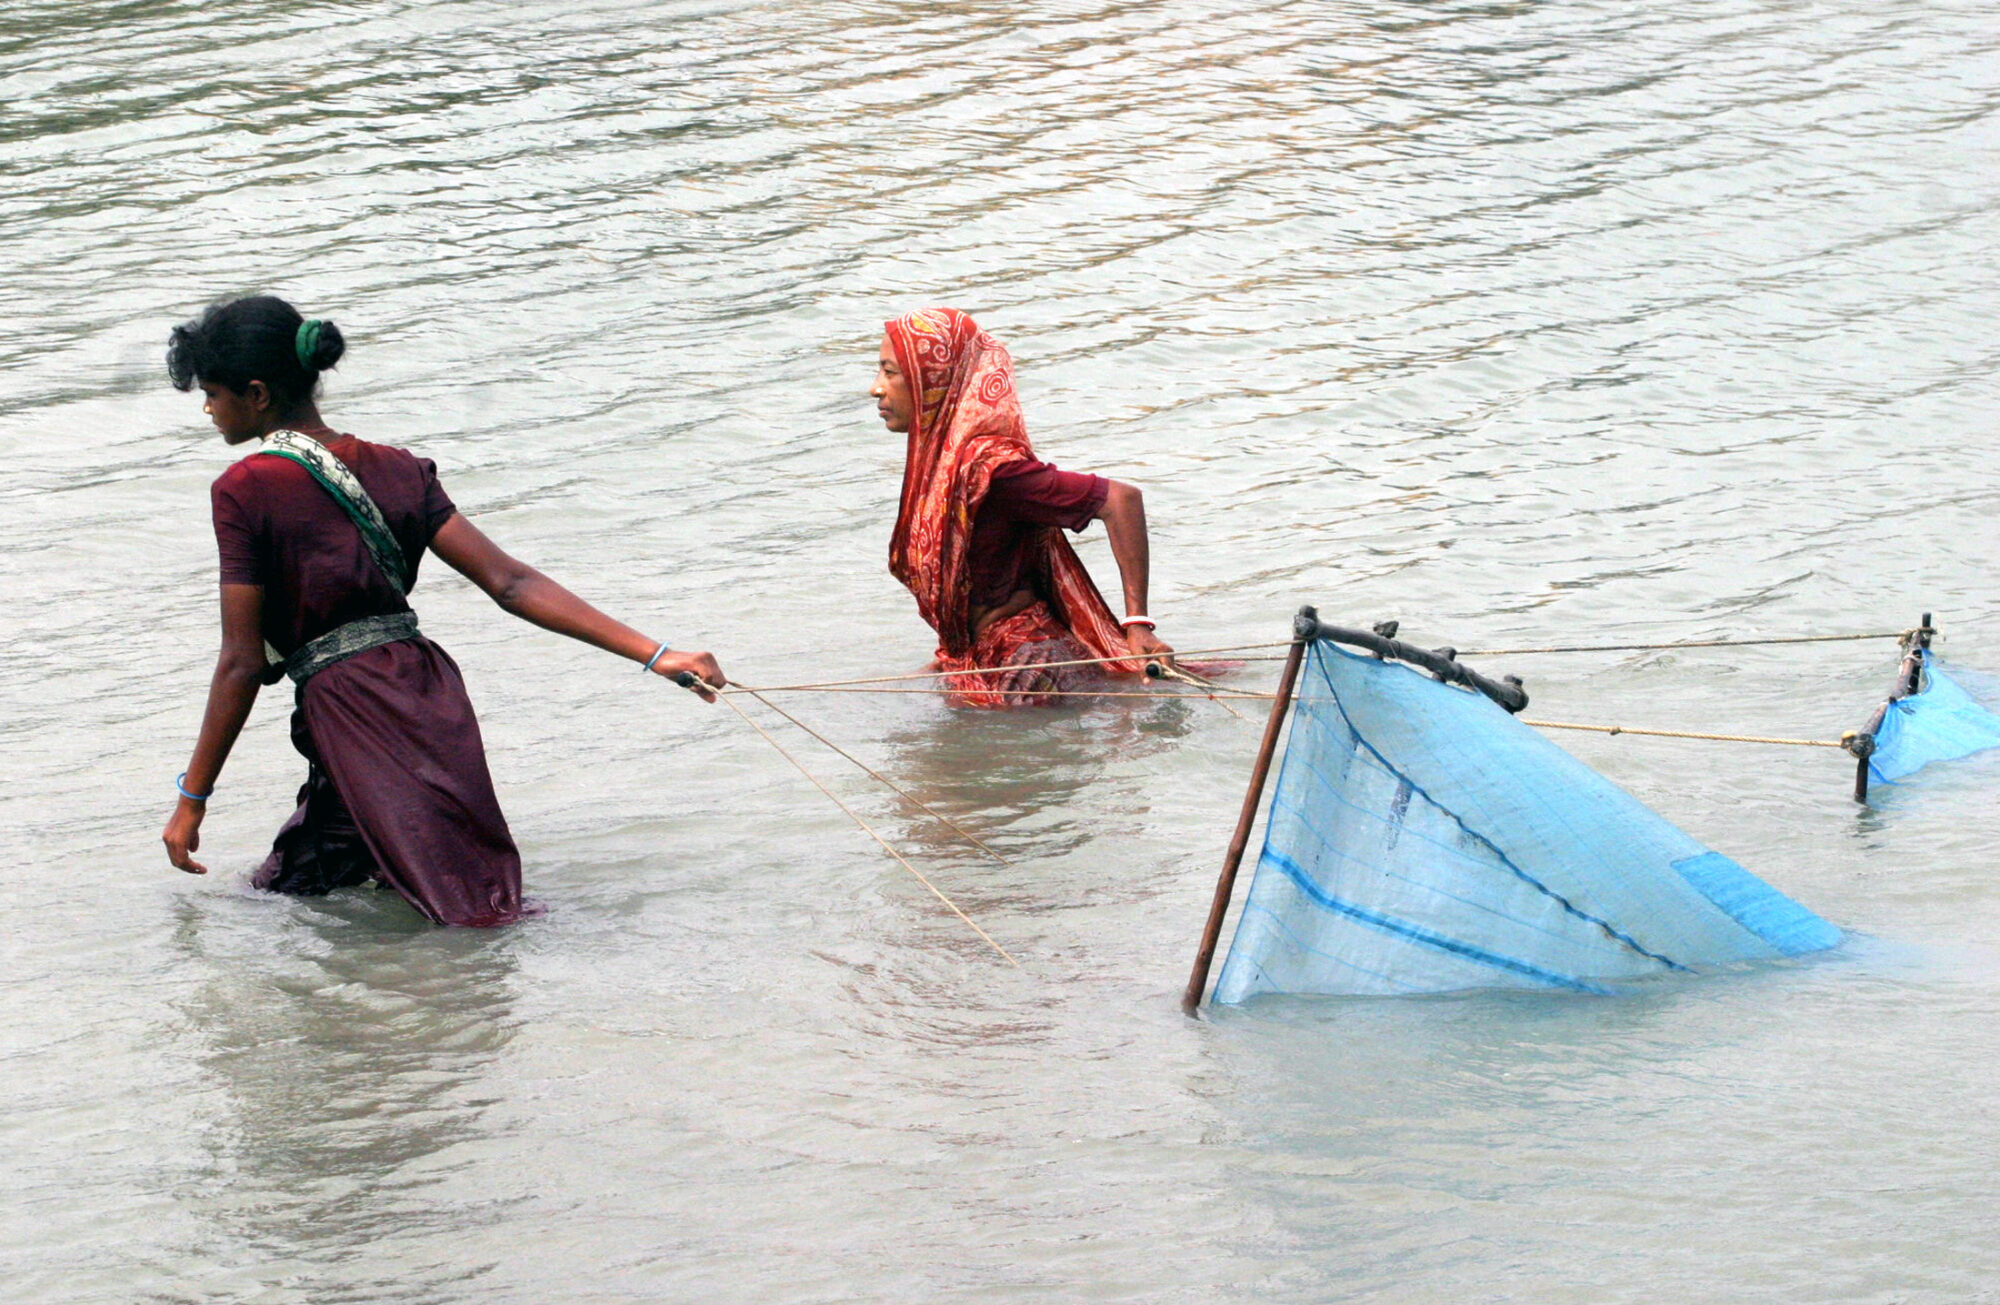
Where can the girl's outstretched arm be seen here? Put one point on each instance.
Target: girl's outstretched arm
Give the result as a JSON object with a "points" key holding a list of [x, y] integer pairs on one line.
{"points": [[239, 671], [532, 596]]}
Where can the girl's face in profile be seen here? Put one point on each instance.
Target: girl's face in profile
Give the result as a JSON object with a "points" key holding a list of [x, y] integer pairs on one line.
{"points": [[239, 417], [891, 391]]}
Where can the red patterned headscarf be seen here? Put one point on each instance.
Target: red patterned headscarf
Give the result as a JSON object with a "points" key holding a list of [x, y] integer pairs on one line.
{"points": [[967, 424]]}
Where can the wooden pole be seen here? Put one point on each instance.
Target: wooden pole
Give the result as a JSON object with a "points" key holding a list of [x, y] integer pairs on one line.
{"points": [[1225, 884], [1909, 682]]}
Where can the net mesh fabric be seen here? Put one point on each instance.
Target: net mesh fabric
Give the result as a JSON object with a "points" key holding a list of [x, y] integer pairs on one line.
{"points": [[1421, 840], [1937, 723]]}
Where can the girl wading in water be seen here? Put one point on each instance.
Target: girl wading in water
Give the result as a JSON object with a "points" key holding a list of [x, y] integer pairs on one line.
{"points": [[320, 535], [978, 537]]}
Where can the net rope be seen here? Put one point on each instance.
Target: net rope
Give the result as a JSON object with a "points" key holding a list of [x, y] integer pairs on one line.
{"points": [[866, 828], [805, 686]]}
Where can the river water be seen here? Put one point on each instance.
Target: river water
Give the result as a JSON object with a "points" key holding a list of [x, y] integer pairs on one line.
{"points": [[1523, 323]]}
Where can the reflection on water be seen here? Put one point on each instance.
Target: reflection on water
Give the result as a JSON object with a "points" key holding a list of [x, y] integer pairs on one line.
{"points": [[1014, 781], [353, 1047], [1012, 770]]}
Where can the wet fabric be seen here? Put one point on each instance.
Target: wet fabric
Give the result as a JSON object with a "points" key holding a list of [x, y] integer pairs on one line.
{"points": [[346, 489], [277, 528], [967, 425], [397, 787], [1420, 840], [391, 733], [1022, 498], [1021, 646], [318, 849], [1940, 722]]}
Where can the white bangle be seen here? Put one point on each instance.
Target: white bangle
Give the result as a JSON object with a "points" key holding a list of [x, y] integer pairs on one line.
{"points": [[1140, 619], [657, 652]]}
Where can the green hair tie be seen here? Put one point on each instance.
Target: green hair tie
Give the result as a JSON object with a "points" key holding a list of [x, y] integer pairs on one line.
{"points": [[306, 342]]}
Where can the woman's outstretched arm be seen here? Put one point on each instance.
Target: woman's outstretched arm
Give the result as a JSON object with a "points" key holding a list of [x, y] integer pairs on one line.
{"points": [[1124, 518], [532, 596], [239, 670]]}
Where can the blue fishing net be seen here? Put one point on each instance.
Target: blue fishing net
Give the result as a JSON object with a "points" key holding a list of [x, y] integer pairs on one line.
{"points": [[1937, 723], [1420, 839]]}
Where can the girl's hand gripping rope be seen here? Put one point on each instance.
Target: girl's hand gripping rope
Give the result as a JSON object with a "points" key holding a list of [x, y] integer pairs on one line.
{"points": [[698, 671], [689, 680]]}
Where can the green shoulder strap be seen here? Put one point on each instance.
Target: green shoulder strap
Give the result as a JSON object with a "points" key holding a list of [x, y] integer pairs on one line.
{"points": [[335, 477]]}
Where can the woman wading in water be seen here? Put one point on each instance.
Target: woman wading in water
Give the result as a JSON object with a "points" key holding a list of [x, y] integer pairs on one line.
{"points": [[978, 537], [320, 535]]}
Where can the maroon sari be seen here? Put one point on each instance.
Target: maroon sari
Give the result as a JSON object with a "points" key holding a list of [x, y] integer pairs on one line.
{"points": [[397, 788]]}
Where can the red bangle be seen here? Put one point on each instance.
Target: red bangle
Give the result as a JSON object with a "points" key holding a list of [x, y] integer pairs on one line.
{"points": [[1146, 621]]}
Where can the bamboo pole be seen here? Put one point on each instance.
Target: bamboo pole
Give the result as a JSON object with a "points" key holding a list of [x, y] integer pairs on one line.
{"points": [[1225, 884]]}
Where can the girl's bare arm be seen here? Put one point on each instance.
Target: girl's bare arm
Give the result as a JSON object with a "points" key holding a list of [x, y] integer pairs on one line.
{"points": [[527, 593], [239, 670]]}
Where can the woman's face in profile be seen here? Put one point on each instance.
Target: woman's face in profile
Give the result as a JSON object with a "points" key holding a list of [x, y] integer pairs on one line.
{"points": [[891, 391]]}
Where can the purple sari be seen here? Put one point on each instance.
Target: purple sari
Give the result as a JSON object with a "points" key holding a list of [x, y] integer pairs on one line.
{"points": [[397, 788]]}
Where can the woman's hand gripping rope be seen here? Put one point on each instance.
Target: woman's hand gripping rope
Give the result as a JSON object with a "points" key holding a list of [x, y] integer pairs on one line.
{"points": [[1148, 646]]}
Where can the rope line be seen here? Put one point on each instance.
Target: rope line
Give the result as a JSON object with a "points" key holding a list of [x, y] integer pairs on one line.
{"points": [[1245, 695], [730, 699], [1679, 734], [1215, 693], [1286, 643], [1689, 643], [1038, 693], [891, 784], [991, 670], [1626, 729], [1637, 647], [1209, 688]]}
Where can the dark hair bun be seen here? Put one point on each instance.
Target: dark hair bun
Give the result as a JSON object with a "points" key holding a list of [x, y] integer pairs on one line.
{"points": [[328, 348], [254, 339]]}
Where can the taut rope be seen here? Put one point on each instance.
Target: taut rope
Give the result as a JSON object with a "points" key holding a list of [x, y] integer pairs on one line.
{"points": [[1686, 643], [868, 830], [1209, 688], [877, 775], [1641, 647], [1032, 693], [990, 670], [1679, 734], [820, 685]]}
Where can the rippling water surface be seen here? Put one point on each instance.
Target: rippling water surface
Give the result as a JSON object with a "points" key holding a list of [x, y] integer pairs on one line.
{"points": [[1525, 323]]}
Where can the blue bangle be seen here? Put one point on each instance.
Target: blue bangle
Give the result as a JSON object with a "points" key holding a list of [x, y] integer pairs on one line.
{"points": [[192, 797], [656, 656]]}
